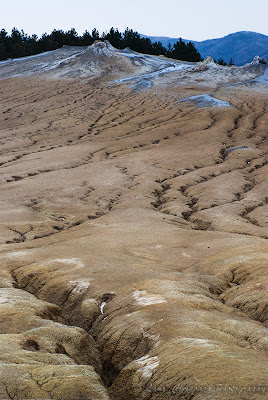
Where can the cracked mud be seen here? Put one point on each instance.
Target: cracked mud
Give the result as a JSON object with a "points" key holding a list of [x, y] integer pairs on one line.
{"points": [[133, 229]]}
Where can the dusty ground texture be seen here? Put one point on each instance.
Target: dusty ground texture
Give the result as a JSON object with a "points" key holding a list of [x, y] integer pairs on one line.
{"points": [[133, 228]]}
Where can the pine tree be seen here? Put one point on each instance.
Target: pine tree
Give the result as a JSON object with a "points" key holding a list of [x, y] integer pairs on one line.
{"points": [[95, 34], [71, 38], [87, 39], [179, 50], [18, 44], [3, 49], [114, 37], [192, 53], [158, 48], [221, 62]]}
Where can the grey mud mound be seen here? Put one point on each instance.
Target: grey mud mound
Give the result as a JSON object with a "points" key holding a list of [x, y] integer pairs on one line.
{"points": [[133, 228], [87, 62], [262, 78], [39, 63], [143, 84], [206, 100]]}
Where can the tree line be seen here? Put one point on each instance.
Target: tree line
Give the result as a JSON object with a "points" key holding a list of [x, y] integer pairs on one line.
{"points": [[222, 62], [19, 44]]}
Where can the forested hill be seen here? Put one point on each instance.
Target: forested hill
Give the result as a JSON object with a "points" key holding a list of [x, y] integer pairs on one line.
{"points": [[19, 44], [241, 47]]}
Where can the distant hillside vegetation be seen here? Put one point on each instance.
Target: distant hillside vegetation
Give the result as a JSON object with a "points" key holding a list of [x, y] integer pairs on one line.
{"points": [[241, 47], [19, 44]]}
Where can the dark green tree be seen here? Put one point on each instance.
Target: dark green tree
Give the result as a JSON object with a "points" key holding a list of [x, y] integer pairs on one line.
{"points": [[72, 38], [114, 37], [179, 50], [3, 41], [158, 48], [192, 54], [95, 34], [18, 44], [87, 39], [221, 62], [131, 39], [3, 51], [15, 43]]}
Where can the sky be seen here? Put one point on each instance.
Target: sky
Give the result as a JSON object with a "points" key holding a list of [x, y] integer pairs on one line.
{"points": [[189, 19]]}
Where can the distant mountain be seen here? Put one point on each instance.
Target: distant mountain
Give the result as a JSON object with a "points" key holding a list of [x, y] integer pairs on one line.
{"points": [[240, 46]]}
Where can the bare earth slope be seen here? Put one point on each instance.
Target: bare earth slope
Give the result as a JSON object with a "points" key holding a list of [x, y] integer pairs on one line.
{"points": [[134, 210]]}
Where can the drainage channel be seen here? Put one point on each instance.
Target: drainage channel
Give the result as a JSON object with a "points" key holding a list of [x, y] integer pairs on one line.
{"points": [[65, 321], [54, 353]]}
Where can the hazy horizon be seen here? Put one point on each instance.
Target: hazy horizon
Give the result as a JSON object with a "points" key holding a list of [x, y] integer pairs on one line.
{"points": [[194, 20]]}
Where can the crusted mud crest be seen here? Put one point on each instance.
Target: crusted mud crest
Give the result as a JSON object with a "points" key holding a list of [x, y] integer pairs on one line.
{"points": [[134, 213]]}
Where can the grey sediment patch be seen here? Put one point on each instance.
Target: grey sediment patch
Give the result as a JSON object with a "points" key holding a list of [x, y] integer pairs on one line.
{"points": [[166, 69], [262, 78], [144, 84], [206, 100], [236, 148]]}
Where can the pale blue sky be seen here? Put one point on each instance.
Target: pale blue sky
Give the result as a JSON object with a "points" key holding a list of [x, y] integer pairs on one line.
{"points": [[190, 19]]}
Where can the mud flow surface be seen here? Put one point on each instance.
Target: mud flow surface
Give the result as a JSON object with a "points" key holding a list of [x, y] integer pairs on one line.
{"points": [[133, 214]]}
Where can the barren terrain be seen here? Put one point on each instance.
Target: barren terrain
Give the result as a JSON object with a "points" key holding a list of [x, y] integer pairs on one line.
{"points": [[133, 215]]}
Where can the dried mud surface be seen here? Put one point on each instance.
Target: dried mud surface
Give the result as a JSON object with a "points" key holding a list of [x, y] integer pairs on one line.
{"points": [[133, 231]]}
